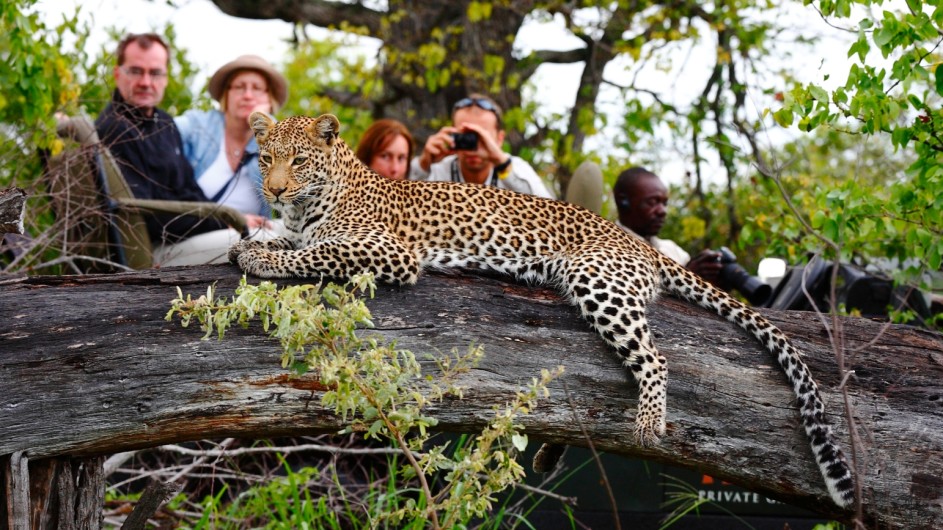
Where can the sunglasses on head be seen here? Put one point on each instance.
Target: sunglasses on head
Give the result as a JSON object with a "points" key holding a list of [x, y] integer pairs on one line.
{"points": [[478, 102]]}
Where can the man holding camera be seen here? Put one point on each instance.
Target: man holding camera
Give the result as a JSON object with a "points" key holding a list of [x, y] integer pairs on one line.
{"points": [[642, 200], [470, 151]]}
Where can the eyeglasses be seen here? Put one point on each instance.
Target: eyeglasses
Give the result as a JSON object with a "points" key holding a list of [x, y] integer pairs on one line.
{"points": [[478, 102], [482, 103], [136, 72], [251, 89]]}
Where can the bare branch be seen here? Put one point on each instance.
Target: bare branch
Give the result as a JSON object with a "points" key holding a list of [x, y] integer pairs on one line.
{"points": [[318, 12], [156, 494]]}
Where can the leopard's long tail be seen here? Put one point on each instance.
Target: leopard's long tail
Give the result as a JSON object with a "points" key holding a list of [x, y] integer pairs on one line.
{"points": [[828, 454]]}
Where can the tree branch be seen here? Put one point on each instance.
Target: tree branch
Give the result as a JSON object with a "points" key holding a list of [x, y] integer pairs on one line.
{"points": [[318, 12], [155, 494]]}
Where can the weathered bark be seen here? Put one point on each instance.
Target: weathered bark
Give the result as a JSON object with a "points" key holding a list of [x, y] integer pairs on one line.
{"points": [[154, 496], [90, 367], [16, 485], [60, 493], [12, 202]]}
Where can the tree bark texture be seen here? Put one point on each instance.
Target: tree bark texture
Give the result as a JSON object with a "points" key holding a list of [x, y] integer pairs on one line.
{"points": [[61, 493], [12, 204], [154, 496], [90, 367]]}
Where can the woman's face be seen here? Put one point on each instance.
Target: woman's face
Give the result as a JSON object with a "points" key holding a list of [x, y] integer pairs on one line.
{"points": [[392, 160], [247, 92]]}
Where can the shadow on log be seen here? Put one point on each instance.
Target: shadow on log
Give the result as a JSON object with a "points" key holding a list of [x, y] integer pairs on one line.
{"points": [[89, 367]]}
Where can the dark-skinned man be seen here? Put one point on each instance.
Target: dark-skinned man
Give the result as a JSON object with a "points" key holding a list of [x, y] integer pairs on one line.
{"points": [[642, 201]]}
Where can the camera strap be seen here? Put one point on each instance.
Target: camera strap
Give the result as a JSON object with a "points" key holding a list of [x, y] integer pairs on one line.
{"points": [[457, 174], [246, 157]]}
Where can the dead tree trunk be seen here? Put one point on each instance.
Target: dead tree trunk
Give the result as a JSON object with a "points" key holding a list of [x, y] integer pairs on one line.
{"points": [[12, 202], [90, 367]]}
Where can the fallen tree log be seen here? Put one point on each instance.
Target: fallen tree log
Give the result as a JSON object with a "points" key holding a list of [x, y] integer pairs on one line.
{"points": [[89, 367]]}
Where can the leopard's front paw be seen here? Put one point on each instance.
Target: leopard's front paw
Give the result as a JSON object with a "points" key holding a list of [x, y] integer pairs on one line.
{"points": [[255, 262], [240, 247], [649, 428]]}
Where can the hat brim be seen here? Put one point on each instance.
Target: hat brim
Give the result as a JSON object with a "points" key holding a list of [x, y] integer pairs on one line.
{"points": [[277, 83]]}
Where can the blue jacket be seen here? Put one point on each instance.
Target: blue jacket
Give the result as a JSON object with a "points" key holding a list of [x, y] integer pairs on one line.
{"points": [[202, 132]]}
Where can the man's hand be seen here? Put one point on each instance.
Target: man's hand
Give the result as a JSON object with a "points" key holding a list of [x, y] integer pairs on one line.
{"points": [[438, 146], [257, 221], [488, 146], [707, 265]]}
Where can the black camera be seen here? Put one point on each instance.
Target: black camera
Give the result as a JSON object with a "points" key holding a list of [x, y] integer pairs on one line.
{"points": [[466, 141], [736, 277]]}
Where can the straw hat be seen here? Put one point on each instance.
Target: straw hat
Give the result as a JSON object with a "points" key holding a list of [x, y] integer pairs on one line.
{"points": [[277, 83]]}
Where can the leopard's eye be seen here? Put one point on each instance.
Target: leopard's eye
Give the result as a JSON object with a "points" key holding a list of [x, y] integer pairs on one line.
{"points": [[266, 159], [298, 160]]}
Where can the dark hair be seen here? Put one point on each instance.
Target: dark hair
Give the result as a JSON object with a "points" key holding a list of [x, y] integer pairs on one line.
{"points": [[144, 40], [625, 184], [379, 135], [630, 176], [475, 99]]}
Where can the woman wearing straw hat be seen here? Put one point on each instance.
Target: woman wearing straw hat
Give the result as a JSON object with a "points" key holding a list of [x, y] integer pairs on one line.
{"points": [[219, 144]]}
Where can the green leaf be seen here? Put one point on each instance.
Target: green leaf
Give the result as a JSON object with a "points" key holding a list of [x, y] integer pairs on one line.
{"points": [[901, 136], [830, 229], [934, 257], [938, 76], [374, 429], [818, 93], [783, 117], [818, 219], [883, 36], [519, 441]]}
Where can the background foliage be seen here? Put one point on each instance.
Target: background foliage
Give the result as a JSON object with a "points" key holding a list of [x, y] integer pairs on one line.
{"points": [[859, 160]]}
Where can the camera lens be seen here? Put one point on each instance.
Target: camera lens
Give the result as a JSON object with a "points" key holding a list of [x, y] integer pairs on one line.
{"points": [[736, 277], [466, 141]]}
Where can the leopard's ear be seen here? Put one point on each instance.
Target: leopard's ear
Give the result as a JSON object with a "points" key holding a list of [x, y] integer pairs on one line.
{"points": [[325, 128], [261, 125]]}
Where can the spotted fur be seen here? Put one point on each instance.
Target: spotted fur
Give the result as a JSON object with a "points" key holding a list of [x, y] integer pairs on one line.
{"points": [[342, 219]]}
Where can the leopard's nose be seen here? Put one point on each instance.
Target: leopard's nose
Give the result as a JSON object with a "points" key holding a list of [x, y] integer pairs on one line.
{"points": [[276, 191]]}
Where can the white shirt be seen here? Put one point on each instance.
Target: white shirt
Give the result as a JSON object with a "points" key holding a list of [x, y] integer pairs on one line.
{"points": [[665, 246], [522, 178], [241, 193]]}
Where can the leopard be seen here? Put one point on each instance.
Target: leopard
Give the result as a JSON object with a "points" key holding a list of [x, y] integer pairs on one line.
{"points": [[341, 218]]}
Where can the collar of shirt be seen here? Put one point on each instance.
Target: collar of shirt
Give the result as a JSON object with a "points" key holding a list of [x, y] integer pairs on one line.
{"points": [[133, 113]]}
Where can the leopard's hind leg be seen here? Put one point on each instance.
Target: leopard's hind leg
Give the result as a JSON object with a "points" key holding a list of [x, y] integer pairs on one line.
{"points": [[613, 299], [615, 306]]}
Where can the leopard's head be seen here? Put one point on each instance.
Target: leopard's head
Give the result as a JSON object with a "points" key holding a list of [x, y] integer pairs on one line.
{"points": [[296, 156]]}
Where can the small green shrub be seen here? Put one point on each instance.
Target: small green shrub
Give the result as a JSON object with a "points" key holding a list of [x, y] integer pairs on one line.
{"points": [[381, 392]]}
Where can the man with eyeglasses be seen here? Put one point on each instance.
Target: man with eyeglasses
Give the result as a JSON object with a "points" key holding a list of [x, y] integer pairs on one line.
{"points": [[476, 158], [145, 141]]}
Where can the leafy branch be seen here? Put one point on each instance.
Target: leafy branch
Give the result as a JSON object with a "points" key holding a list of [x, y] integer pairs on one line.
{"points": [[380, 391]]}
